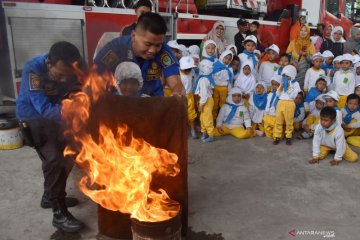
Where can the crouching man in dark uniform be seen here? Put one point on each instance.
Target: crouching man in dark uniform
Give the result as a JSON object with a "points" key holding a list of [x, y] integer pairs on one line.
{"points": [[46, 79]]}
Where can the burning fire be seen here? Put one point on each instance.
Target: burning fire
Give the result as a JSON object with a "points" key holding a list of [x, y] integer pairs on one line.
{"points": [[119, 173]]}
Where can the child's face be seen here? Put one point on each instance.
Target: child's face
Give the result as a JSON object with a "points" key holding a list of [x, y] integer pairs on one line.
{"points": [[330, 102], [328, 60], [272, 55], [320, 86], [357, 91], [353, 104], [337, 35], [284, 61], [250, 46], [227, 59], [259, 89], [233, 50], [326, 122], [319, 105], [336, 65], [129, 87], [317, 63], [345, 64], [177, 53], [275, 85], [253, 27], [358, 71], [236, 98], [210, 49], [299, 99], [235, 65], [196, 61], [246, 70]]}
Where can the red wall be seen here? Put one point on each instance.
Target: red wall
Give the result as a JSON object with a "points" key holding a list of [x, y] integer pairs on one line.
{"points": [[282, 4]]}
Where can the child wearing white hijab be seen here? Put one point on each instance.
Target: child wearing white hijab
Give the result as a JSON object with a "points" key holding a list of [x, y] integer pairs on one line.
{"points": [[232, 48], [257, 106], [209, 51], [233, 116], [246, 81]]}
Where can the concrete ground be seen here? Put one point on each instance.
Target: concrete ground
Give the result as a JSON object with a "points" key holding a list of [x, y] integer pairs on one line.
{"points": [[239, 189]]}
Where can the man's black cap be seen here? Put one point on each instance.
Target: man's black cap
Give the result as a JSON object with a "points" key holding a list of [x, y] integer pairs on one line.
{"points": [[242, 22], [143, 3]]}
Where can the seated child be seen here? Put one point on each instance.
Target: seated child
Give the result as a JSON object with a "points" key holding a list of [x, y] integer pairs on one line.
{"points": [[329, 136], [299, 114], [246, 81], [328, 66], [285, 108], [187, 76], [351, 116], [269, 68], [314, 92], [270, 110], [223, 75], [313, 118], [235, 65], [209, 51], [313, 73], [232, 117], [128, 79], [344, 80], [331, 100], [203, 88], [257, 105]]}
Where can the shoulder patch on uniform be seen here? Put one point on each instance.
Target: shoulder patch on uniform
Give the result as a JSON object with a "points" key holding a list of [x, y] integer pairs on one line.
{"points": [[166, 59], [110, 59], [34, 82]]}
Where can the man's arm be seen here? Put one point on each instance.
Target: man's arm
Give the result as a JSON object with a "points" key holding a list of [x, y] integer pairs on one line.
{"points": [[175, 84]]}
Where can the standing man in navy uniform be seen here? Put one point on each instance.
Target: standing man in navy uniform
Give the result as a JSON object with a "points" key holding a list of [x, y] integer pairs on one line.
{"points": [[145, 46], [46, 79]]}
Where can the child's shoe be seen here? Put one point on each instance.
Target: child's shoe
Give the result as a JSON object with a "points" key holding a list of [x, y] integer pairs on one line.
{"points": [[193, 134], [259, 133], [276, 141], [204, 136], [288, 142], [209, 139]]}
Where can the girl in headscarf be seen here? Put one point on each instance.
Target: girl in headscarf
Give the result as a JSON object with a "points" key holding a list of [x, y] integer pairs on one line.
{"points": [[233, 116], [217, 34], [336, 42], [353, 43], [209, 51], [257, 105], [246, 81], [301, 48], [233, 48]]}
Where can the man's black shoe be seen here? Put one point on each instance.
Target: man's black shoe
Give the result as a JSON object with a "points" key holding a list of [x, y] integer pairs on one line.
{"points": [[63, 219], [69, 201]]}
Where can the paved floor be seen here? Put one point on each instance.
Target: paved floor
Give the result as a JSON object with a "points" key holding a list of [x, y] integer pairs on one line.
{"points": [[245, 189]]}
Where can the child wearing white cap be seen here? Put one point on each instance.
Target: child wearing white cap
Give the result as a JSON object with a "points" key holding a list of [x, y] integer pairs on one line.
{"points": [[233, 116], [257, 106], [270, 67], [285, 108], [187, 76], [270, 110], [184, 50], [248, 54], [344, 80], [313, 73], [194, 49], [175, 48], [331, 100], [351, 116], [312, 119], [223, 76], [329, 136], [328, 66], [203, 88], [128, 79]]}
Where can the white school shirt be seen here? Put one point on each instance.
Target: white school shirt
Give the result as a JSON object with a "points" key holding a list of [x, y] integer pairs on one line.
{"points": [[270, 110], [338, 117], [301, 116], [188, 81], [355, 115], [256, 114], [291, 93], [266, 71], [344, 82], [335, 140], [240, 118], [311, 76], [222, 78], [204, 90]]}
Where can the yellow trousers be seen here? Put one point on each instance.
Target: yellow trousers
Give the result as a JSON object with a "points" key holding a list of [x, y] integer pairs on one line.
{"points": [[220, 94], [353, 131], [167, 92], [257, 126], [206, 118], [238, 132], [269, 123], [284, 114], [349, 154], [354, 140], [342, 101], [191, 107]]}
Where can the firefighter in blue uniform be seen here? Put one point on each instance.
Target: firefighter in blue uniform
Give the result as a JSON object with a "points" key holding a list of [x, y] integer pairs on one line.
{"points": [[46, 80], [145, 46]]}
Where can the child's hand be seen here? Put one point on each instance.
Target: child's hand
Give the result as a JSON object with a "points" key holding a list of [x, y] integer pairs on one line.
{"points": [[221, 131], [306, 128], [334, 162], [314, 160], [200, 108], [346, 127], [250, 130]]}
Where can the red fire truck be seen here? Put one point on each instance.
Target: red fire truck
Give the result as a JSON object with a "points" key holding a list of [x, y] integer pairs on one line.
{"points": [[29, 27]]}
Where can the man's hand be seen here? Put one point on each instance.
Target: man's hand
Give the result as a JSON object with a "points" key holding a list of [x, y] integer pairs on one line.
{"points": [[334, 162], [175, 84]]}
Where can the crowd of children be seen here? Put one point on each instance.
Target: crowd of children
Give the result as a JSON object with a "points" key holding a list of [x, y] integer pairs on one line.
{"points": [[246, 96]]}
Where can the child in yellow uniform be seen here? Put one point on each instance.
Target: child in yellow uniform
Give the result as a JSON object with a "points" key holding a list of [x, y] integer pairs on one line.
{"points": [[314, 92], [187, 76], [313, 118], [257, 106], [329, 136], [269, 68], [233, 116], [331, 100], [223, 75], [351, 116], [270, 110], [285, 108], [203, 88], [299, 114]]}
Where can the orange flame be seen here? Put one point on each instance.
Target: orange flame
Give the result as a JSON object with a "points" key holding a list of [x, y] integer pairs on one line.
{"points": [[119, 173]]}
